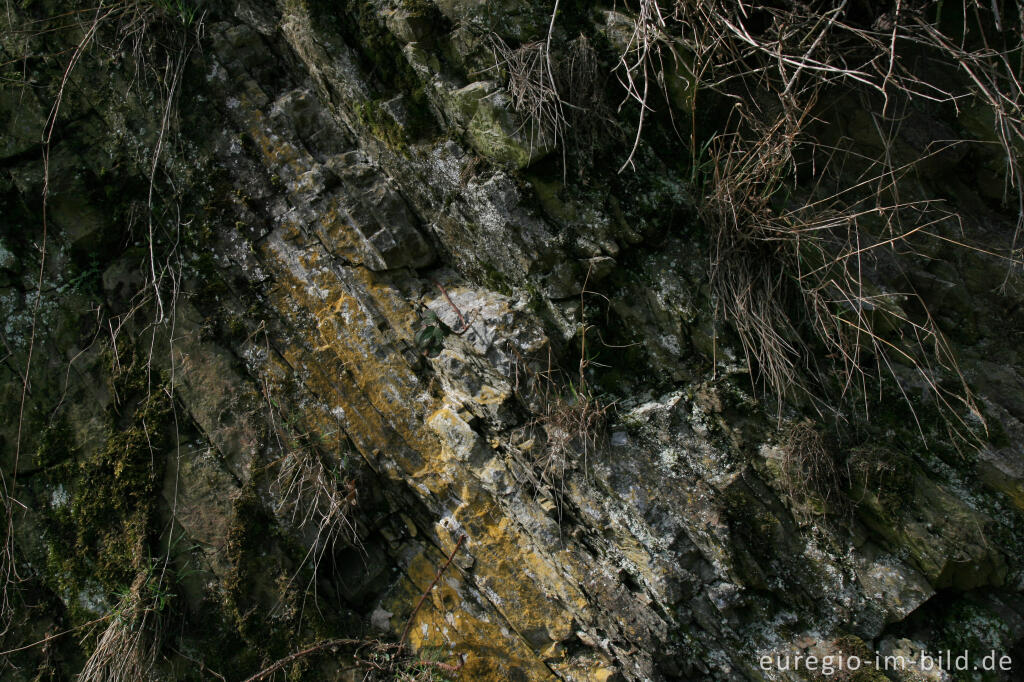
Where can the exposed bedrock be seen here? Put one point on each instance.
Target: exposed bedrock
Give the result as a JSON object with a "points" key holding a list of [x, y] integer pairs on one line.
{"points": [[342, 327]]}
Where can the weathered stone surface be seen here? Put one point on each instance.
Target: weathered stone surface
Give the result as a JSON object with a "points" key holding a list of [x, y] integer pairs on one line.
{"points": [[484, 111], [344, 268]]}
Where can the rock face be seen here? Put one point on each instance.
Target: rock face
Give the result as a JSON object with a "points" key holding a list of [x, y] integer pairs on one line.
{"points": [[323, 343]]}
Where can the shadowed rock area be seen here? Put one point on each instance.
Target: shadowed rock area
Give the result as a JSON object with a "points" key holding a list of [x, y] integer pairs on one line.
{"points": [[425, 339]]}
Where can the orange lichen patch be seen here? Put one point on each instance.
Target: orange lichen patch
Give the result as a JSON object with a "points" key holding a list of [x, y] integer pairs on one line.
{"points": [[390, 302], [489, 395], [532, 605], [363, 424], [592, 668], [290, 231], [367, 378], [277, 153], [458, 438], [528, 591], [379, 370], [311, 418], [517, 608], [311, 259], [452, 620], [338, 235]]}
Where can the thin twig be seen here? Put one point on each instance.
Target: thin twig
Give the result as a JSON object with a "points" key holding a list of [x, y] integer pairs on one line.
{"points": [[426, 593], [266, 672]]}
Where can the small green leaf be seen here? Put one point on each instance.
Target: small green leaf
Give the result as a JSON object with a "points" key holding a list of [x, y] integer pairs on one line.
{"points": [[422, 336]]}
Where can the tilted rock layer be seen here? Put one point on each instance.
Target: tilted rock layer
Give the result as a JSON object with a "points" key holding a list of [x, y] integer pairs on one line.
{"points": [[305, 363]]}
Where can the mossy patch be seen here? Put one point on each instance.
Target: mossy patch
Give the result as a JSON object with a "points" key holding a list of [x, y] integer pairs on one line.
{"points": [[250, 583], [380, 55], [100, 528], [373, 115]]}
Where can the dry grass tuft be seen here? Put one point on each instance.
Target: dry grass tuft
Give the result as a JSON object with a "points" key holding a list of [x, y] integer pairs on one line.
{"points": [[317, 499], [792, 277], [799, 268], [573, 420], [570, 415], [374, 660], [127, 649], [649, 55], [555, 94], [532, 88], [569, 420], [808, 466]]}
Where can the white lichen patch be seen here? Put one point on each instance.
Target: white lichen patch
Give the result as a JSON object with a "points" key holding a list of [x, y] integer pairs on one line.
{"points": [[7, 259]]}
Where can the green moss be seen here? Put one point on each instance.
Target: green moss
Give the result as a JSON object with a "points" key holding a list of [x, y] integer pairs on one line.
{"points": [[251, 531], [380, 124], [209, 291], [626, 357], [236, 329], [56, 445], [99, 533], [264, 578], [383, 62], [418, 120], [753, 527], [494, 280], [850, 645], [914, 423], [967, 626], [548, 192], [421, 8], [766, 550], [262, 602]]}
